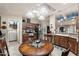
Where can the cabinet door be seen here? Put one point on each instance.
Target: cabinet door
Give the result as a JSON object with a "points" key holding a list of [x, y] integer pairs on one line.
{"points": [[74, 45], [64, 42], [57, 40], [60, 40]]}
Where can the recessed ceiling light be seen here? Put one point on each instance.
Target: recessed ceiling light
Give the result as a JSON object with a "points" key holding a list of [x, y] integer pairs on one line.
{"points": [[41, 18], [29, 15], [35, 11]]}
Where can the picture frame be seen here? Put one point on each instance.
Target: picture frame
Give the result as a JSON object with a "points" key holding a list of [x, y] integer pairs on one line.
{"points": [[4, 22]]}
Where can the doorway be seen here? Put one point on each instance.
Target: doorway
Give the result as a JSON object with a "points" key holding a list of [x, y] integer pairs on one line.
{"points": [[13, 30]]}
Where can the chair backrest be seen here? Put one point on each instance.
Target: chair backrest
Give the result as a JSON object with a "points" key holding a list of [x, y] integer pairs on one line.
{"points": [[65, 53], [0, 33], [3, 45]]}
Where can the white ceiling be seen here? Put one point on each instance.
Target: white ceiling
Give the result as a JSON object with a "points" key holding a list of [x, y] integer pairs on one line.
{"points": [[20, 9]]}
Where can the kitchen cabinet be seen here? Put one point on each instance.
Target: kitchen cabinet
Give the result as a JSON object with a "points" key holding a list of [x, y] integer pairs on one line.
{"points": [[77, 23], [29, 25], [77, 30], [29, 29], [74, 45], [64, 41], [26, 37], [56, 40]]}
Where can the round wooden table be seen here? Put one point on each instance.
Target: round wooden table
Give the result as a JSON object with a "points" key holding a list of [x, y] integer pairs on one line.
{"points": [[28, 50]]}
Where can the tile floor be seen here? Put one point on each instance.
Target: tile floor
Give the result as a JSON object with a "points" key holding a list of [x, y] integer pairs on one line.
{"points": [[14, 50]]}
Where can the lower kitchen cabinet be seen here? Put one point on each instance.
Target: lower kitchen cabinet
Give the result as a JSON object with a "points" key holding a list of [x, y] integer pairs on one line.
{"points": [[78, 48], [61, 41], [74, 45], [64, 41], [56, 40]]}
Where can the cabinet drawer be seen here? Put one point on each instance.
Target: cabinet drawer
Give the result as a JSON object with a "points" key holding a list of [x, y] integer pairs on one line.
{"points": [[64, 42]]}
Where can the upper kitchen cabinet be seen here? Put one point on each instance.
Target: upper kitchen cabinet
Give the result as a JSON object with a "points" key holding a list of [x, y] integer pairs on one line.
{"points": [[77, 29], [77, 23]]}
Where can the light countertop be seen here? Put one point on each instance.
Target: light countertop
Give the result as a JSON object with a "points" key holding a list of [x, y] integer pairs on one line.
{"points": [[69, 35]]}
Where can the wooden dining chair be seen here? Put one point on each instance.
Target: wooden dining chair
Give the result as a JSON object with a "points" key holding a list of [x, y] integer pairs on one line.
{"points": [[3, 48], [65, 53]]}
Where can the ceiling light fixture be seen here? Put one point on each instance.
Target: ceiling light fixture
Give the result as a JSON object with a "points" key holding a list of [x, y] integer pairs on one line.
{"points": [[40, 12], [30, 15], [41, 18]]}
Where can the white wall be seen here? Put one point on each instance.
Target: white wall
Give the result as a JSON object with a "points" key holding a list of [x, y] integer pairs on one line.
{"points": [[52, 21]]}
